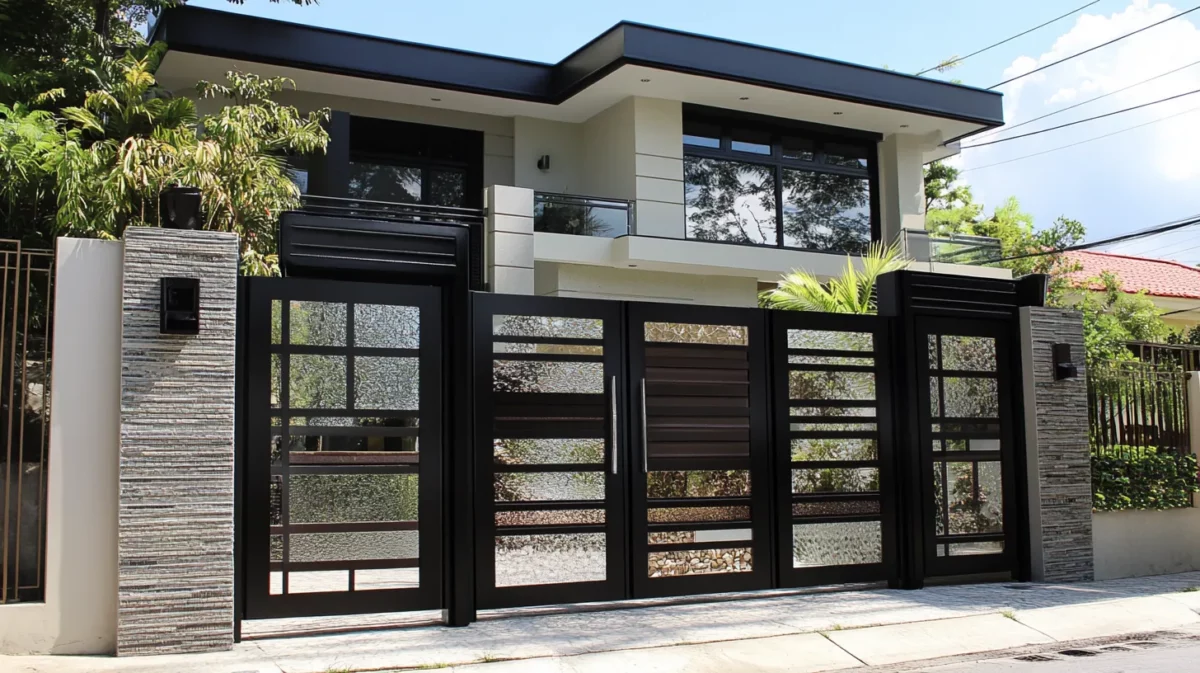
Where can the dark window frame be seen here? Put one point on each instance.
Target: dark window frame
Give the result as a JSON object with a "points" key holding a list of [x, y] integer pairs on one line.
{"points": [[467, 142], [730, 122]]}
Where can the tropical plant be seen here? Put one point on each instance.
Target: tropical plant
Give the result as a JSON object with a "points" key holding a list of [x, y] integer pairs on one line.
{"points": [[851, 292], [97, 168], [1112, 318]]}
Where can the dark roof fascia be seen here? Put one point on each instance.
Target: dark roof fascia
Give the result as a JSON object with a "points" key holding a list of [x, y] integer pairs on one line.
{"points": [[242, 37]]}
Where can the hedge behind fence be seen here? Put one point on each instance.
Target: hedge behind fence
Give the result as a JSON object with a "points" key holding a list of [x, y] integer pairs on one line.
{"points": [[1143, 479]]}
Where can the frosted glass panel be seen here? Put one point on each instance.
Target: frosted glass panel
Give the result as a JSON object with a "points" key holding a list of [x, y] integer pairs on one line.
{"points": [[685, 333], [317, 382], [378, 545], [315, 323], [547, 451], [968, 353], [835, 480], [834, 449], [547, 326], [550, 559], [338, 498], [830, 340], [698, 484], [550, 517], [836, 544], [387, 326], [699, 562], [698, 514], [525, 376], [806, 385], [973, 500], [387, 383], [835, 507], [700, 536], [554, 349], [971, 397], [528, 486]]}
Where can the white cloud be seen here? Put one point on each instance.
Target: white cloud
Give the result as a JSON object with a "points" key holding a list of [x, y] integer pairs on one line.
{"points": [[1149, 165]]}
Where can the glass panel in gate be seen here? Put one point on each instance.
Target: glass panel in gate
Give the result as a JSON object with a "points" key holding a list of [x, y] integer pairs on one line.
{"points": [[965, 432], [548, 450], [832, 448], [345, 456]]}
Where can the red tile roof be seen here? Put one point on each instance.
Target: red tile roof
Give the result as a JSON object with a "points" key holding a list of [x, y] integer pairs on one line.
{"points": [[1158, 277]]}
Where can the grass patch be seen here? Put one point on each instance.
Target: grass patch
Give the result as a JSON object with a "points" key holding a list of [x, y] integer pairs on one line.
{"points": [[1008, 614], [1189, 590]]}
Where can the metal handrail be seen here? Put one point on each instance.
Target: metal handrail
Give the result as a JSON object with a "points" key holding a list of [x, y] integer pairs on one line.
{"points": [[542, 199], [352, 207]]}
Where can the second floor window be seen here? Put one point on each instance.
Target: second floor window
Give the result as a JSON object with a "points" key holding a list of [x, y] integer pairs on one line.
{"points": [[744, 183]]}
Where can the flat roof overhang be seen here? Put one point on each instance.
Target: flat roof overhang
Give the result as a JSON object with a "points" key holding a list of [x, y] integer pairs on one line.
{"points": [[627, 49]]}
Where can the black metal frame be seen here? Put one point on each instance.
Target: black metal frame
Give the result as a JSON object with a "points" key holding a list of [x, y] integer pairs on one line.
{"points": [[488, 417], [758, 464], [884, 435], [774, 130], [259, 295]]}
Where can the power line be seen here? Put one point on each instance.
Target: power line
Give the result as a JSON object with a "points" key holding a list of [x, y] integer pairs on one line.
{"points": [[1089, 50], [1081, 121], [1081, 142], [1150, 231], [955, 61], [1005, 129]]}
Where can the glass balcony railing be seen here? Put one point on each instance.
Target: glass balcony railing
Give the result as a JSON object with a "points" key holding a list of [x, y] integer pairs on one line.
{"points": [[582, 215], [920, 246]]}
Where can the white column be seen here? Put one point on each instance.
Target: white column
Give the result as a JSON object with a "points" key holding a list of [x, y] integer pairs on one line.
{"points": [[509, 239], [901, 184]]}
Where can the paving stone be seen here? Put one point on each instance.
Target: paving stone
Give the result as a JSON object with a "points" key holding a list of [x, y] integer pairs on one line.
{"points": [[881, 645]]}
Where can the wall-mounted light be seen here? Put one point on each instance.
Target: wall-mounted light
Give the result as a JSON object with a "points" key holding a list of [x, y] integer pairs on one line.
{"points": [[1063, 367], [179, 208], [744, 98], [543, 163]]}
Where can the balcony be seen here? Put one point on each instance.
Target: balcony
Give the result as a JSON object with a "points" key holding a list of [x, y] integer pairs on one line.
{"points": [[919, 246], [582, 215]]}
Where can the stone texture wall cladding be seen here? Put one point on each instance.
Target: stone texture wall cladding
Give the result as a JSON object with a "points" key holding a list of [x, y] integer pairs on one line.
{"points": [[175, 526], [1063, 490]]}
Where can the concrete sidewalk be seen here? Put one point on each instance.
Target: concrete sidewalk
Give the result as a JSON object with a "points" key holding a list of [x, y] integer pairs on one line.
{"points": [[795, 632]]}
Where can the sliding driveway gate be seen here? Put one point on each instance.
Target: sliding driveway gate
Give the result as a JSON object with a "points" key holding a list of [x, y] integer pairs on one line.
{"points": [[618, 450]]}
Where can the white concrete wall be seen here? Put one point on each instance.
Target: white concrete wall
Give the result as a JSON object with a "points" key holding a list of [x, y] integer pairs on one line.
{"points": [[901, 184], [508, 229], [562, 142], [79, 615], [607, 153], [1138, 543], [658, 167], [598, 282], [498, 165]]}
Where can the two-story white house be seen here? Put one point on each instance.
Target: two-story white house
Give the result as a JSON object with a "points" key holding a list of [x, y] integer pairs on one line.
{"points": [[648, 164]]}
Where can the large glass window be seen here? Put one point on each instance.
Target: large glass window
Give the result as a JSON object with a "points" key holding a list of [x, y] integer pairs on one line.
{"points": [[400, 162], [752, 183]]}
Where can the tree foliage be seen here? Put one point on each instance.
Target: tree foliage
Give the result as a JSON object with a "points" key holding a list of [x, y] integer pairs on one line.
{"points": [[89, 138], [851, 292], [1113, 317]]}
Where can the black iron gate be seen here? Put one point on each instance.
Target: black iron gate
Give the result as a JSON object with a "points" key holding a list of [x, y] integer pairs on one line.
{"points": [[343, 448]]}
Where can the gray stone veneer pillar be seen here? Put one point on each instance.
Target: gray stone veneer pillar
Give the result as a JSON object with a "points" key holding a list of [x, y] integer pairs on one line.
{"points": [[1056, 444], [175, 508]]}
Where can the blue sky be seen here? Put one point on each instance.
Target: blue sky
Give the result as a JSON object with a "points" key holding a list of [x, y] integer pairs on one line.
{"points": [[1132, 180]]}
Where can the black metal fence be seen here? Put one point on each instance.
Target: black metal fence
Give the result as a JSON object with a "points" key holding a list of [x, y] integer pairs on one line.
{"points": [[1136, 405], [26, 301], [1185, 356]]}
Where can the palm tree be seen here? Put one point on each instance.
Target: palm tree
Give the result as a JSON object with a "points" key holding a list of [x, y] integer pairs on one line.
{"points": [[851, 292]]}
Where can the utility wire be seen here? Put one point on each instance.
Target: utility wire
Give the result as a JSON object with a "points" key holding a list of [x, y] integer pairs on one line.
{"points": [[1081, 142], [1081, 121], [1091, 49], [1005, 129], [955, 61], [1151, 231]]}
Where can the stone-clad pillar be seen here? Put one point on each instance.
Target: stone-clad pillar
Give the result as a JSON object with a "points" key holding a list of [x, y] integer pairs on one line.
{"points": [[175, 507], [1058, 458]]}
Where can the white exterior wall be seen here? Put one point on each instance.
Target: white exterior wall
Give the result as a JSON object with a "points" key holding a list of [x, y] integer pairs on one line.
{"points": [[658, 167], [79, 615], [562, 142], [607, 156], [1139, 543], [598, 282], [901, 184]]}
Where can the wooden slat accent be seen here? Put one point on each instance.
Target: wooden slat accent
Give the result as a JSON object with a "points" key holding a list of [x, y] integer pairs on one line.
{"points": [[697, 402]]}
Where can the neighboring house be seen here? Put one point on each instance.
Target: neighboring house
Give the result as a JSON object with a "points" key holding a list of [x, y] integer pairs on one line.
{"points": [[655, 143], [1172, 286]]}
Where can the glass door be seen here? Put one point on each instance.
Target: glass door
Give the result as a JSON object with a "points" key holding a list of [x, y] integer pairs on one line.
{"points": [[967, 446], [550, 524], [699, 487]]}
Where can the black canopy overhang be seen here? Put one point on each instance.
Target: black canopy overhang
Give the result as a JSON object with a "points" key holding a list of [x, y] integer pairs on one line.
{"points": [[237, 36]]}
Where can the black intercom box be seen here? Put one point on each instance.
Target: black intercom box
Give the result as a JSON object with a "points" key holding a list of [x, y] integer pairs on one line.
{"points": [[179, 311]]}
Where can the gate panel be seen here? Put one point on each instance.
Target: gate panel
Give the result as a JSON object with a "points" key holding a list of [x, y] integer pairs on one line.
{"points": [[344, 448], [550, 524], [700, 493], [833, 449], [966, 428]]}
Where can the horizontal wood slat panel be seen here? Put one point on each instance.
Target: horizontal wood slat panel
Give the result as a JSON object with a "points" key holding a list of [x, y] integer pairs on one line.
{"points": [[697, 402]]}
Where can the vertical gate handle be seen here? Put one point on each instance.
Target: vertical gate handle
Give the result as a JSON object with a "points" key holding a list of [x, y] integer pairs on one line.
{"points": [[614, 444], [645, 442]]}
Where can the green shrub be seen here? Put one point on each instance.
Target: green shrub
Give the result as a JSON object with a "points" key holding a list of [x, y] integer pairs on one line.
{"points": [[1131, 478]]}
